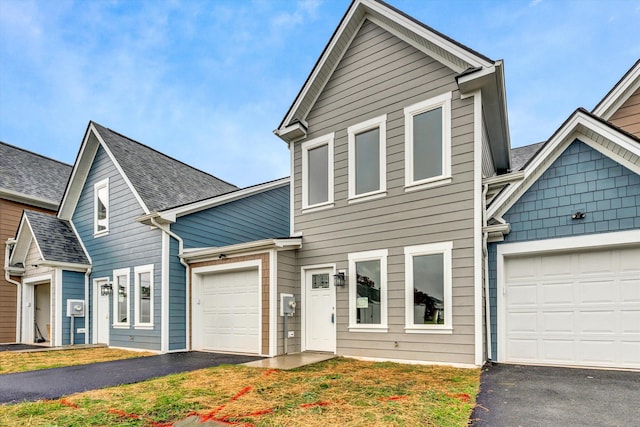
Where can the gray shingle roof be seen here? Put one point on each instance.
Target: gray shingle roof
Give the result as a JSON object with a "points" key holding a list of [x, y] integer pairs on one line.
{"points": [[161, 181], [56, 238], [31, 174], [520, 156]]}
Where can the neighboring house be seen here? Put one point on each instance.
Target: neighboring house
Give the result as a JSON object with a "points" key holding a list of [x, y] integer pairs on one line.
{"points": [[113, 250], [565, 259], [27, 181], [391, 137]]}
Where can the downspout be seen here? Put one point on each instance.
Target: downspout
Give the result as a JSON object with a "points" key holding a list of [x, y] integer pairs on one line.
{"points": [[86, 304], [170, 233], [485, 255], [8, 246]]}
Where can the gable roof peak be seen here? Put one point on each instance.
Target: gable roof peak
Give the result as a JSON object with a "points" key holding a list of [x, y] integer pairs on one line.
{"points": [[619, 93], [453, 54]]}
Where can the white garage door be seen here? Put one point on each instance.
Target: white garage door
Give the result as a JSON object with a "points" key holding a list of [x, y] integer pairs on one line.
{"points": [[230, 312], [579, 309]]}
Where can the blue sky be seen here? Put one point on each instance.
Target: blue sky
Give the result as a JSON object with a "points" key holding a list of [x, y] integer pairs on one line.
{"points": [[206, 82]]}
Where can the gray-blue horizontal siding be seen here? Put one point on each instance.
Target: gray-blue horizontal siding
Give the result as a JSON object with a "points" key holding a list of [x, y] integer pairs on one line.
{"points": [[261, 216], [581, 179], [177, 300], [127, 245], [72, 288]]}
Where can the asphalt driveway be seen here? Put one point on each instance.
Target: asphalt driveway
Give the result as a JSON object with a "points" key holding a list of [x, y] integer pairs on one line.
{"points": [[513, 395], [57, 382]]}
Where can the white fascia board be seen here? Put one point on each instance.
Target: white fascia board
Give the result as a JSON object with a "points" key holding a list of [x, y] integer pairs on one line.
{"points": [[377, 13], [22, 242], [503, 179], [172, 214], [27, 199], [555, 147], [70, 266], [201, 254], [119, 169], [619, 94], [79, 173], [463, 54], [84, 248]]}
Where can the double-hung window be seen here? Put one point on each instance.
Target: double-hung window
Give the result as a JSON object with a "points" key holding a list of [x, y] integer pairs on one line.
{"points": [[368, 291], [143, 284], [121, 297], [367, 158], [317, 172], [428, 288], [428, 142], [101, 207]]}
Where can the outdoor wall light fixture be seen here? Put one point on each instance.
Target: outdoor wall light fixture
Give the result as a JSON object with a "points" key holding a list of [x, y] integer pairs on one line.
{"points": [[578, 215], [106, 289], [339, 278]]}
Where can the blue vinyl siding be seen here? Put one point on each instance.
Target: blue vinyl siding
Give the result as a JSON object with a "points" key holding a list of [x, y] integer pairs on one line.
{"points": [[128, 244], [177, 300], [262, 216], [581, 179], [72, 288]]}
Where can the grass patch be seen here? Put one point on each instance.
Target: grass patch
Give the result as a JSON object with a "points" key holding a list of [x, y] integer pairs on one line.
{"points": [[11, 361], [341, 392]]}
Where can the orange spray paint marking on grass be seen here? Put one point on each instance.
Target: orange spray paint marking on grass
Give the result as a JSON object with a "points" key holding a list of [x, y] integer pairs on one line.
{"points": [[462, 396], [311, 405], [270, 372], [65, 402], [124, 414], [392, 398]]}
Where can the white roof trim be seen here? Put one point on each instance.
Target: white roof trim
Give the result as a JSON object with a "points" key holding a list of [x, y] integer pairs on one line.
{"points": [[377, 12], [27, 199], [22, 244], [202, 254], [171, 214], [570, 131], [81, 170], [626, 87]]}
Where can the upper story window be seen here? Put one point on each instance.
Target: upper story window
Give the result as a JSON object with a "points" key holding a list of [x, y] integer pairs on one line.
{"points": [[368, 291], [317, 172], [143, 284], [367, 158], [121, 297], [428, 142], [428, 290], [101, 207]]}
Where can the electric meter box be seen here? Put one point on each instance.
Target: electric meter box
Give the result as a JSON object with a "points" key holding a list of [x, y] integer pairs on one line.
{"points": [[287, 305], [75, 308]]}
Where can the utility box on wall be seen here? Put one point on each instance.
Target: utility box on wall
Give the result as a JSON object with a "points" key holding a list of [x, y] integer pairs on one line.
{"points": [[75, 308]]}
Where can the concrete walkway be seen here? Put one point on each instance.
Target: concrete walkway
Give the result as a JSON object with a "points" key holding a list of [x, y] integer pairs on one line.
{"points": [[291, 361], [57, 382], [513, 395]]}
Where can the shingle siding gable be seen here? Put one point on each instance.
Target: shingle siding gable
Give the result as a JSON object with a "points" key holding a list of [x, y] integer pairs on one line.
{"points": [[581, 179]]}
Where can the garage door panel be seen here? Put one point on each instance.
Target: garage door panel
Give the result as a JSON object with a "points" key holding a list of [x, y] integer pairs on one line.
{"points": [[580, 308], [558, 322], [559, 351], [630, 290], [630, 321], [557, 293], [602, 322]]}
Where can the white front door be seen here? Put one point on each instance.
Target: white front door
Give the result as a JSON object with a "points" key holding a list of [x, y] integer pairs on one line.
{"points": [[320, 310], [102, 317]]}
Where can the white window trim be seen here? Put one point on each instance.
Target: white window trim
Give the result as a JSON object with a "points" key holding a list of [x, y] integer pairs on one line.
{"points": [[114, 293], [443, 101], [380, 255], [309, 145], [97, 186], [379, 123], [444, 248], [136, 283]]}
